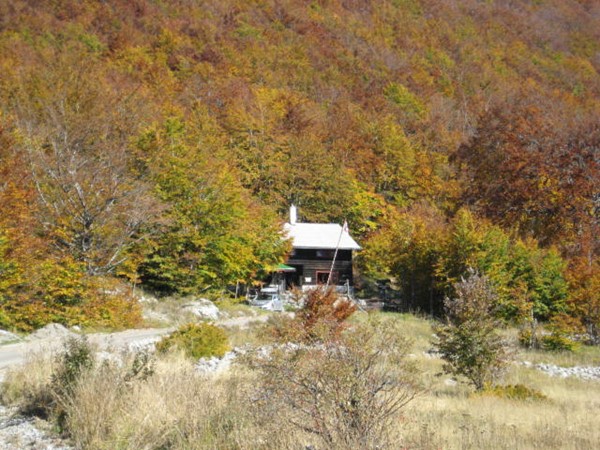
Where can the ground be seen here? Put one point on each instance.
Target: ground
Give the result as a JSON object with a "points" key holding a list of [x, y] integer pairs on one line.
{"points": [[447, 415]]}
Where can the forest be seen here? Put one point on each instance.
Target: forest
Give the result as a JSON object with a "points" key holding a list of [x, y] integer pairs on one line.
{"points": [[159, 144]]}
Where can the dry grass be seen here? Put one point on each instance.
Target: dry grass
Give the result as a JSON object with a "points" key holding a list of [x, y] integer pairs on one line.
{"points": [[459, 419], [26, 386], [451, 416], [177, 408], [168, 311]]}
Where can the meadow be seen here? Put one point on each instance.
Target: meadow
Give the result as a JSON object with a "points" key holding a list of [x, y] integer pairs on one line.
{"points": [[162, 401]]}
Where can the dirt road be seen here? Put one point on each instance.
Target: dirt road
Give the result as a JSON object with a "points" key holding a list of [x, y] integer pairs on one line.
{"points": [[13, 354]]}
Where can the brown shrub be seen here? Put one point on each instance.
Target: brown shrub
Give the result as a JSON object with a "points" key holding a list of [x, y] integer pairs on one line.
{"points": [[344, 392], [322, 318]]}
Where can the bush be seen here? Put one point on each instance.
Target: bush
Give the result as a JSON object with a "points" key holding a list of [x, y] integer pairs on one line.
{"points": [[528, 339], [197, 341], [516, 392], [561, 328], [76, 359], [322, 317], [468, 341], [345, 392], [557, 342]]}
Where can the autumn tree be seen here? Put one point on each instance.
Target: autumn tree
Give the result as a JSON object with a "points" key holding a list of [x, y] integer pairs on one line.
{"points": [[584, 302], [76, 124], [533, 168]]}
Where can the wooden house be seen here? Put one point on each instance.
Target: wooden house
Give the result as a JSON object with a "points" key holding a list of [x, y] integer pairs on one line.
{"points": [[314, 247]]}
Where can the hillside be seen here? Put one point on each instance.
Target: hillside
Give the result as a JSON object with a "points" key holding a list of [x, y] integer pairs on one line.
{"points": [[161, 143]]}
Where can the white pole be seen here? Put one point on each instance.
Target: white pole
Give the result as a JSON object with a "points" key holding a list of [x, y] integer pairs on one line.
{"points": [[337, 247]]}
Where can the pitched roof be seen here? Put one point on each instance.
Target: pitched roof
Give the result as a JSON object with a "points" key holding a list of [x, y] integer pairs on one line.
{"points": [[319, 235]]}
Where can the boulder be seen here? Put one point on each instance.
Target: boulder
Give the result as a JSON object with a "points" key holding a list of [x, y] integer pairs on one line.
{"points": [[202, 308], [51, 331], [8, 337]]}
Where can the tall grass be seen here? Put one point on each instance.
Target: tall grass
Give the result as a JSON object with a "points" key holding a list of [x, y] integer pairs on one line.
{"points": [[174, 407]]}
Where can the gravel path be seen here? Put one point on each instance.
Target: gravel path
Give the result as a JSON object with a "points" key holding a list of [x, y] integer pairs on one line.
{"points": [[50, 339]]}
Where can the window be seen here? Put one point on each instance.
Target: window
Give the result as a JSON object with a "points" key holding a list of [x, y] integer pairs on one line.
{"points": [[322, 277], [325, 254]]}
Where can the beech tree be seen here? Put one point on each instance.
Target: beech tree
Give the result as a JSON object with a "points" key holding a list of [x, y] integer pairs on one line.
{"points": [[76, 126], [212, 233]]}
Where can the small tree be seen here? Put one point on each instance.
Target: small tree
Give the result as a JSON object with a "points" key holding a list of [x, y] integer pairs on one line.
{"points": [[468, 341]]}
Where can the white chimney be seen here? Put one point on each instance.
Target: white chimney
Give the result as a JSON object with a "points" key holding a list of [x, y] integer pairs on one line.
{"points": [[293, 215]]}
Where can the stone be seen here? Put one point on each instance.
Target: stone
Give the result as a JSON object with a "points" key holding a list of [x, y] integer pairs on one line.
{"points": [[52, 331], [7, 337], [214, 365], [202, 308]]}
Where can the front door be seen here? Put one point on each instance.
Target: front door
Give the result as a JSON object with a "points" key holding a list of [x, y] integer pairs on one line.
{"points": [[323, 277]]}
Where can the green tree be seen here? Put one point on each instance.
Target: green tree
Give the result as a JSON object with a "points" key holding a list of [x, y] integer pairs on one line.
{"points": [[543, 274], [468, 339], [213, 233]]}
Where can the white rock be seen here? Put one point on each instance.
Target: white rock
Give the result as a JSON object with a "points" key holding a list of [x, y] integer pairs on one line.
{"points": [[585, 373], [7, 336], [202, 308], [18, 433], [216, 365], [51, 331], [148, 344]]}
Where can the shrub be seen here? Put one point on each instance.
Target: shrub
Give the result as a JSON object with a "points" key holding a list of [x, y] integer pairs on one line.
{"points": [[528, 338], [76, 359], [557, 342], [322, 317], [561, 328], [346, 392], [197, 341], [516, 392], [468, 341]]}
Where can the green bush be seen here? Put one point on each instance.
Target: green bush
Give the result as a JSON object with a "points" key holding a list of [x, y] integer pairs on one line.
{"points": [[557, 342], [562, 328], [515, 392], [76, 359], [197, 341], [468, 341]]}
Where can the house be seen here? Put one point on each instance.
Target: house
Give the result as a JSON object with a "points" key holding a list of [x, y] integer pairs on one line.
{"points": [[314, 248]]}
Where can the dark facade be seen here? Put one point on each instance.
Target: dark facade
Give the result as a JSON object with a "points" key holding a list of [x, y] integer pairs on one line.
{"points": [[313, 267]]}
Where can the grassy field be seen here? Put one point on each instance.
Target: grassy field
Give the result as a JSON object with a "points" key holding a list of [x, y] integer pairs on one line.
{"points": [[175, 407], [452, 416]]}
